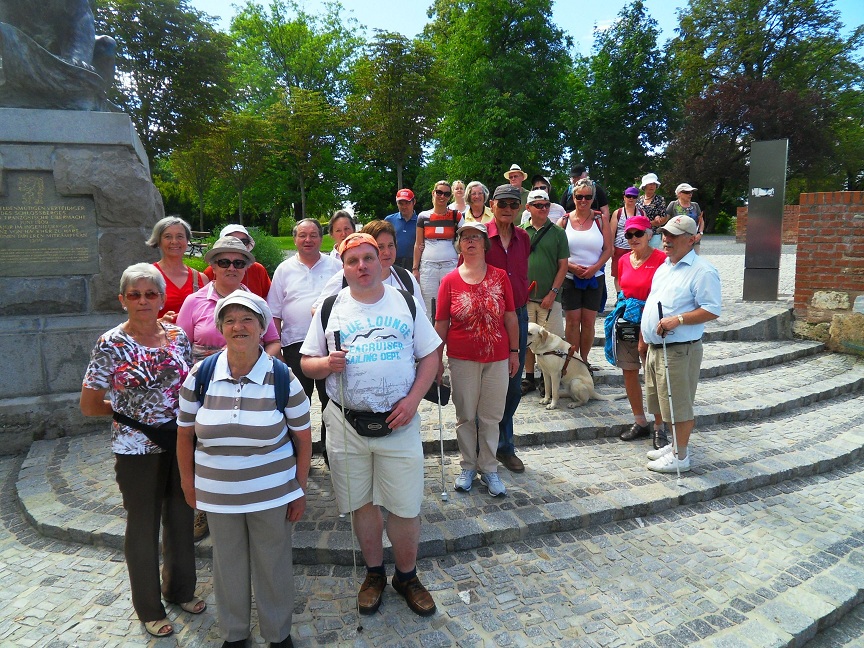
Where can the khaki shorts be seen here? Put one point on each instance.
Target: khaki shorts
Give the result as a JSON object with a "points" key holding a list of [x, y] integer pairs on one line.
{"points": [[684, 363], [555, 323], [627, 354], [387, 471]]}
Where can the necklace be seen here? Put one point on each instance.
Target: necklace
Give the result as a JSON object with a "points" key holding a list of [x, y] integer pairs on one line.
{"points": [[636, 263]]}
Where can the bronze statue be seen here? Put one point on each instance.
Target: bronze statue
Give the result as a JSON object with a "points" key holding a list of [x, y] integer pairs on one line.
{"points": [[50, 56]]}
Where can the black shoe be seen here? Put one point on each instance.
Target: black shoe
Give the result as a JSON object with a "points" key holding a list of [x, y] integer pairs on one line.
{"points": [[235, 644], [285, 643], [660, 438], [636, 432], [528, 385]]}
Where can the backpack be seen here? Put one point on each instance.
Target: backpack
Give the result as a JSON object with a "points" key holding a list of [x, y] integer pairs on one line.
{"points": [[404, 279], [281, 380]]}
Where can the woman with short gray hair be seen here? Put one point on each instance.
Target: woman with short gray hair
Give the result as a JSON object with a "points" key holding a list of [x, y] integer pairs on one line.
{"points": [[171, 237], [477, 195]]}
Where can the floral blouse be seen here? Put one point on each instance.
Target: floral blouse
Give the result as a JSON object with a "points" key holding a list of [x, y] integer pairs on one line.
{"points": [[142, 382], [653, 209]]}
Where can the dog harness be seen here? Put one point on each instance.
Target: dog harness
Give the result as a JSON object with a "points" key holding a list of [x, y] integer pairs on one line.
{"points": [[567, 358]]}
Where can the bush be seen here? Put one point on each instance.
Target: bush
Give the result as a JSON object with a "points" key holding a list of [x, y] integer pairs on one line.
{"points": [[267, 251], [286, 226], [723, 224]]}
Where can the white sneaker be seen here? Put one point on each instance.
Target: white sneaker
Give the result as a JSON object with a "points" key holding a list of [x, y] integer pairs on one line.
{"points": [[656, 454], [493, 481], [464, 480], [669, 463]]}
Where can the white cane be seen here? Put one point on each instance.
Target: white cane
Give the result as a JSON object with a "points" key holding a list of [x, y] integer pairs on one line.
{"points": [[444, 496], [337, 341], [669, 392]]}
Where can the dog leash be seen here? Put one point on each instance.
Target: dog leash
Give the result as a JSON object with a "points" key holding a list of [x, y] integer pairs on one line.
{"points": [[567, 358]]}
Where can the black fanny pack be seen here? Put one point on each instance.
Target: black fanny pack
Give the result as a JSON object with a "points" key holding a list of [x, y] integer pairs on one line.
{"points": [[626, 331], [164, 436], [368, 424]]}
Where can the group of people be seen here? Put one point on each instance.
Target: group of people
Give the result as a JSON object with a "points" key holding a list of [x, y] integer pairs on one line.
{"points": [[209, 380]]}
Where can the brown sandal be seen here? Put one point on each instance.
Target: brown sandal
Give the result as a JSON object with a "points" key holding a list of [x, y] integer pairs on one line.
{"points": [[158, 628], [195, 606]]}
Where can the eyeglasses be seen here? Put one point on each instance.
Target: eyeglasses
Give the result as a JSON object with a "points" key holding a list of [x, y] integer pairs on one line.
{"points": [[630, 197], [685, 192], [583, 197], [149, 295], [471, 239], [237, 263], [636, 233], [541, 205], [446, 194], [508, 204], [245, 241]]}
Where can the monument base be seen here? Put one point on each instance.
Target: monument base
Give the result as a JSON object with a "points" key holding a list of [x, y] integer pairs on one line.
{"points": [[76, 205]]}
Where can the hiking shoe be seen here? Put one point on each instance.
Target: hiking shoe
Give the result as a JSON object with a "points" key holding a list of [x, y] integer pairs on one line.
{"points": [[494, 483], [200, 528], [669, 463], [511, 462], [656, 454], [369, 597], [635, 432], [416, 596], [528, 385], [660, 438], [465, 480]]}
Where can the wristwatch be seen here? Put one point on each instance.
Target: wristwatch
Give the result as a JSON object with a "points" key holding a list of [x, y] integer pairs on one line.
{"points": [[555, 290], [680, 319]]}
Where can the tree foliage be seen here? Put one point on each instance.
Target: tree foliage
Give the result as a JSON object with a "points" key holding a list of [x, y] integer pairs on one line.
{"points": [[506, 64], [394, 103], [172, 68], [193, 168]]}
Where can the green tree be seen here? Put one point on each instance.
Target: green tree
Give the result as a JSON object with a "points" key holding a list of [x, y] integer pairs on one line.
{"points": [[193, 168], [239, 148], [282, 46], [507, 64], [172, 68], [394, 104], [623, 107], [303, 128]]}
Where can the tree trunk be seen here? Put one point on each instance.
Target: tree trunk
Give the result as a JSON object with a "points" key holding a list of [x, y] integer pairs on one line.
{"points": [[240, 207], [302, 213], [398, 176]]}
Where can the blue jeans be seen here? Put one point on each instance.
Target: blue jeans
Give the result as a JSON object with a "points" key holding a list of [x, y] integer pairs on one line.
{"points": [[514, 389]]}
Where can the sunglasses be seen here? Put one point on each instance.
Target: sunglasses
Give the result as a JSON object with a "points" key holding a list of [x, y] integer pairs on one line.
{"points": [[634, 233], [446, 194], [237, 263], [630, 197], [245, 241], [149, 295], [508, 204], [685, 192], [581, 197], [541, 205]]}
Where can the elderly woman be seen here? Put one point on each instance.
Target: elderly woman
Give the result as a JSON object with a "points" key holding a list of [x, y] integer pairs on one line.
{"points": [[654, 206], [171, 237], [140, 366], [684, 206], [256, 279], [590, 240], [458, 197], [478, 196], [229, 259], [341, 225], [392, 275], [620, 246], [248, 470], [434, 255], [624, 346], [476, 317]]}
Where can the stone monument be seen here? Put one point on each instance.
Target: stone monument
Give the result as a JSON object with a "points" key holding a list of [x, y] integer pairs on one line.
{"points": [[76, 205]]}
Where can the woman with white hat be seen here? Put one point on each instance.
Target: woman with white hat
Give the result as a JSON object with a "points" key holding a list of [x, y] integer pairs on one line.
{"points": [[685, 206], [654, 206], [257, 280]]}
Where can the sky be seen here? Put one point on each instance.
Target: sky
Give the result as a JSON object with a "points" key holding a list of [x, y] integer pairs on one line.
{"points": [[576, 17]]}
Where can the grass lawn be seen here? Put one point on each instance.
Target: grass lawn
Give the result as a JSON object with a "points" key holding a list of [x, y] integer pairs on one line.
{"points": [[287, 243]]}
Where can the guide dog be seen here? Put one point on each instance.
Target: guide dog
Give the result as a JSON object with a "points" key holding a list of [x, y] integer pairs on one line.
{"points": [[551, 353]]}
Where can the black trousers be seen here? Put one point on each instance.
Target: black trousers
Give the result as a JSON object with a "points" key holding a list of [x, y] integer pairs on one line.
{"points": [[291, 355]]}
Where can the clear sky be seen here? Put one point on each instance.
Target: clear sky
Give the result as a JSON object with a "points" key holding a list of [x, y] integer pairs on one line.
{"points": [[575, 17]]}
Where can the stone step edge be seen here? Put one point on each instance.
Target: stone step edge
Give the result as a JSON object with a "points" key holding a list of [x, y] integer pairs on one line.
{"points": [[52, 519], [797, 615], [712, 368], [753, 409]]}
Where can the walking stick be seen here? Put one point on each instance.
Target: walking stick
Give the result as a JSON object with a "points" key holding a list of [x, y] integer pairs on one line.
{"points": [[444, 496], [669, 393]]}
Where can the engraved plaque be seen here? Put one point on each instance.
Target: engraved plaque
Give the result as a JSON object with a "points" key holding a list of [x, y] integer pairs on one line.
{"points": [[43, 233]]}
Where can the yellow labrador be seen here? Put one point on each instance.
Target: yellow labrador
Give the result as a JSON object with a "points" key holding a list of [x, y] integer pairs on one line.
{"points": [[551, 352]]}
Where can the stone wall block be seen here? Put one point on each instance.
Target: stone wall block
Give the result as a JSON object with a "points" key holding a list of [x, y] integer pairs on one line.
{"points": [[21, 296], [119, 247]]}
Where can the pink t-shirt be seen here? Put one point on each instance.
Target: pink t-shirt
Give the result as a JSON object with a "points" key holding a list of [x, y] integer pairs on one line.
{"points": [[196, 319], [476, 314], [636, 282]]}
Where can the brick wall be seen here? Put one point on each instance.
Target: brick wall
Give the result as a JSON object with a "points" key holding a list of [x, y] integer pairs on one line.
{"points": [[829, 273], [790, 224]]}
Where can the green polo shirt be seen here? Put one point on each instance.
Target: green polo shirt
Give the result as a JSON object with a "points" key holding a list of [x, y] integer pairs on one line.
{"points": [[544, 258]]}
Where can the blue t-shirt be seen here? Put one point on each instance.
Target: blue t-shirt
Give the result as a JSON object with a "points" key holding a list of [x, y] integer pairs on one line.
{"points": [[406, 233]]}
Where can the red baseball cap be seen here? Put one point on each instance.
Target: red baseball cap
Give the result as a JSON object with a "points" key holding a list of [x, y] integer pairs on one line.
{"points": [[404, 194]]}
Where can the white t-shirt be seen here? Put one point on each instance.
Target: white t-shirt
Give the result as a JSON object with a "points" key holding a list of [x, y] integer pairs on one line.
{"points": [[335, 284], [294, 290], [382, 341]]}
